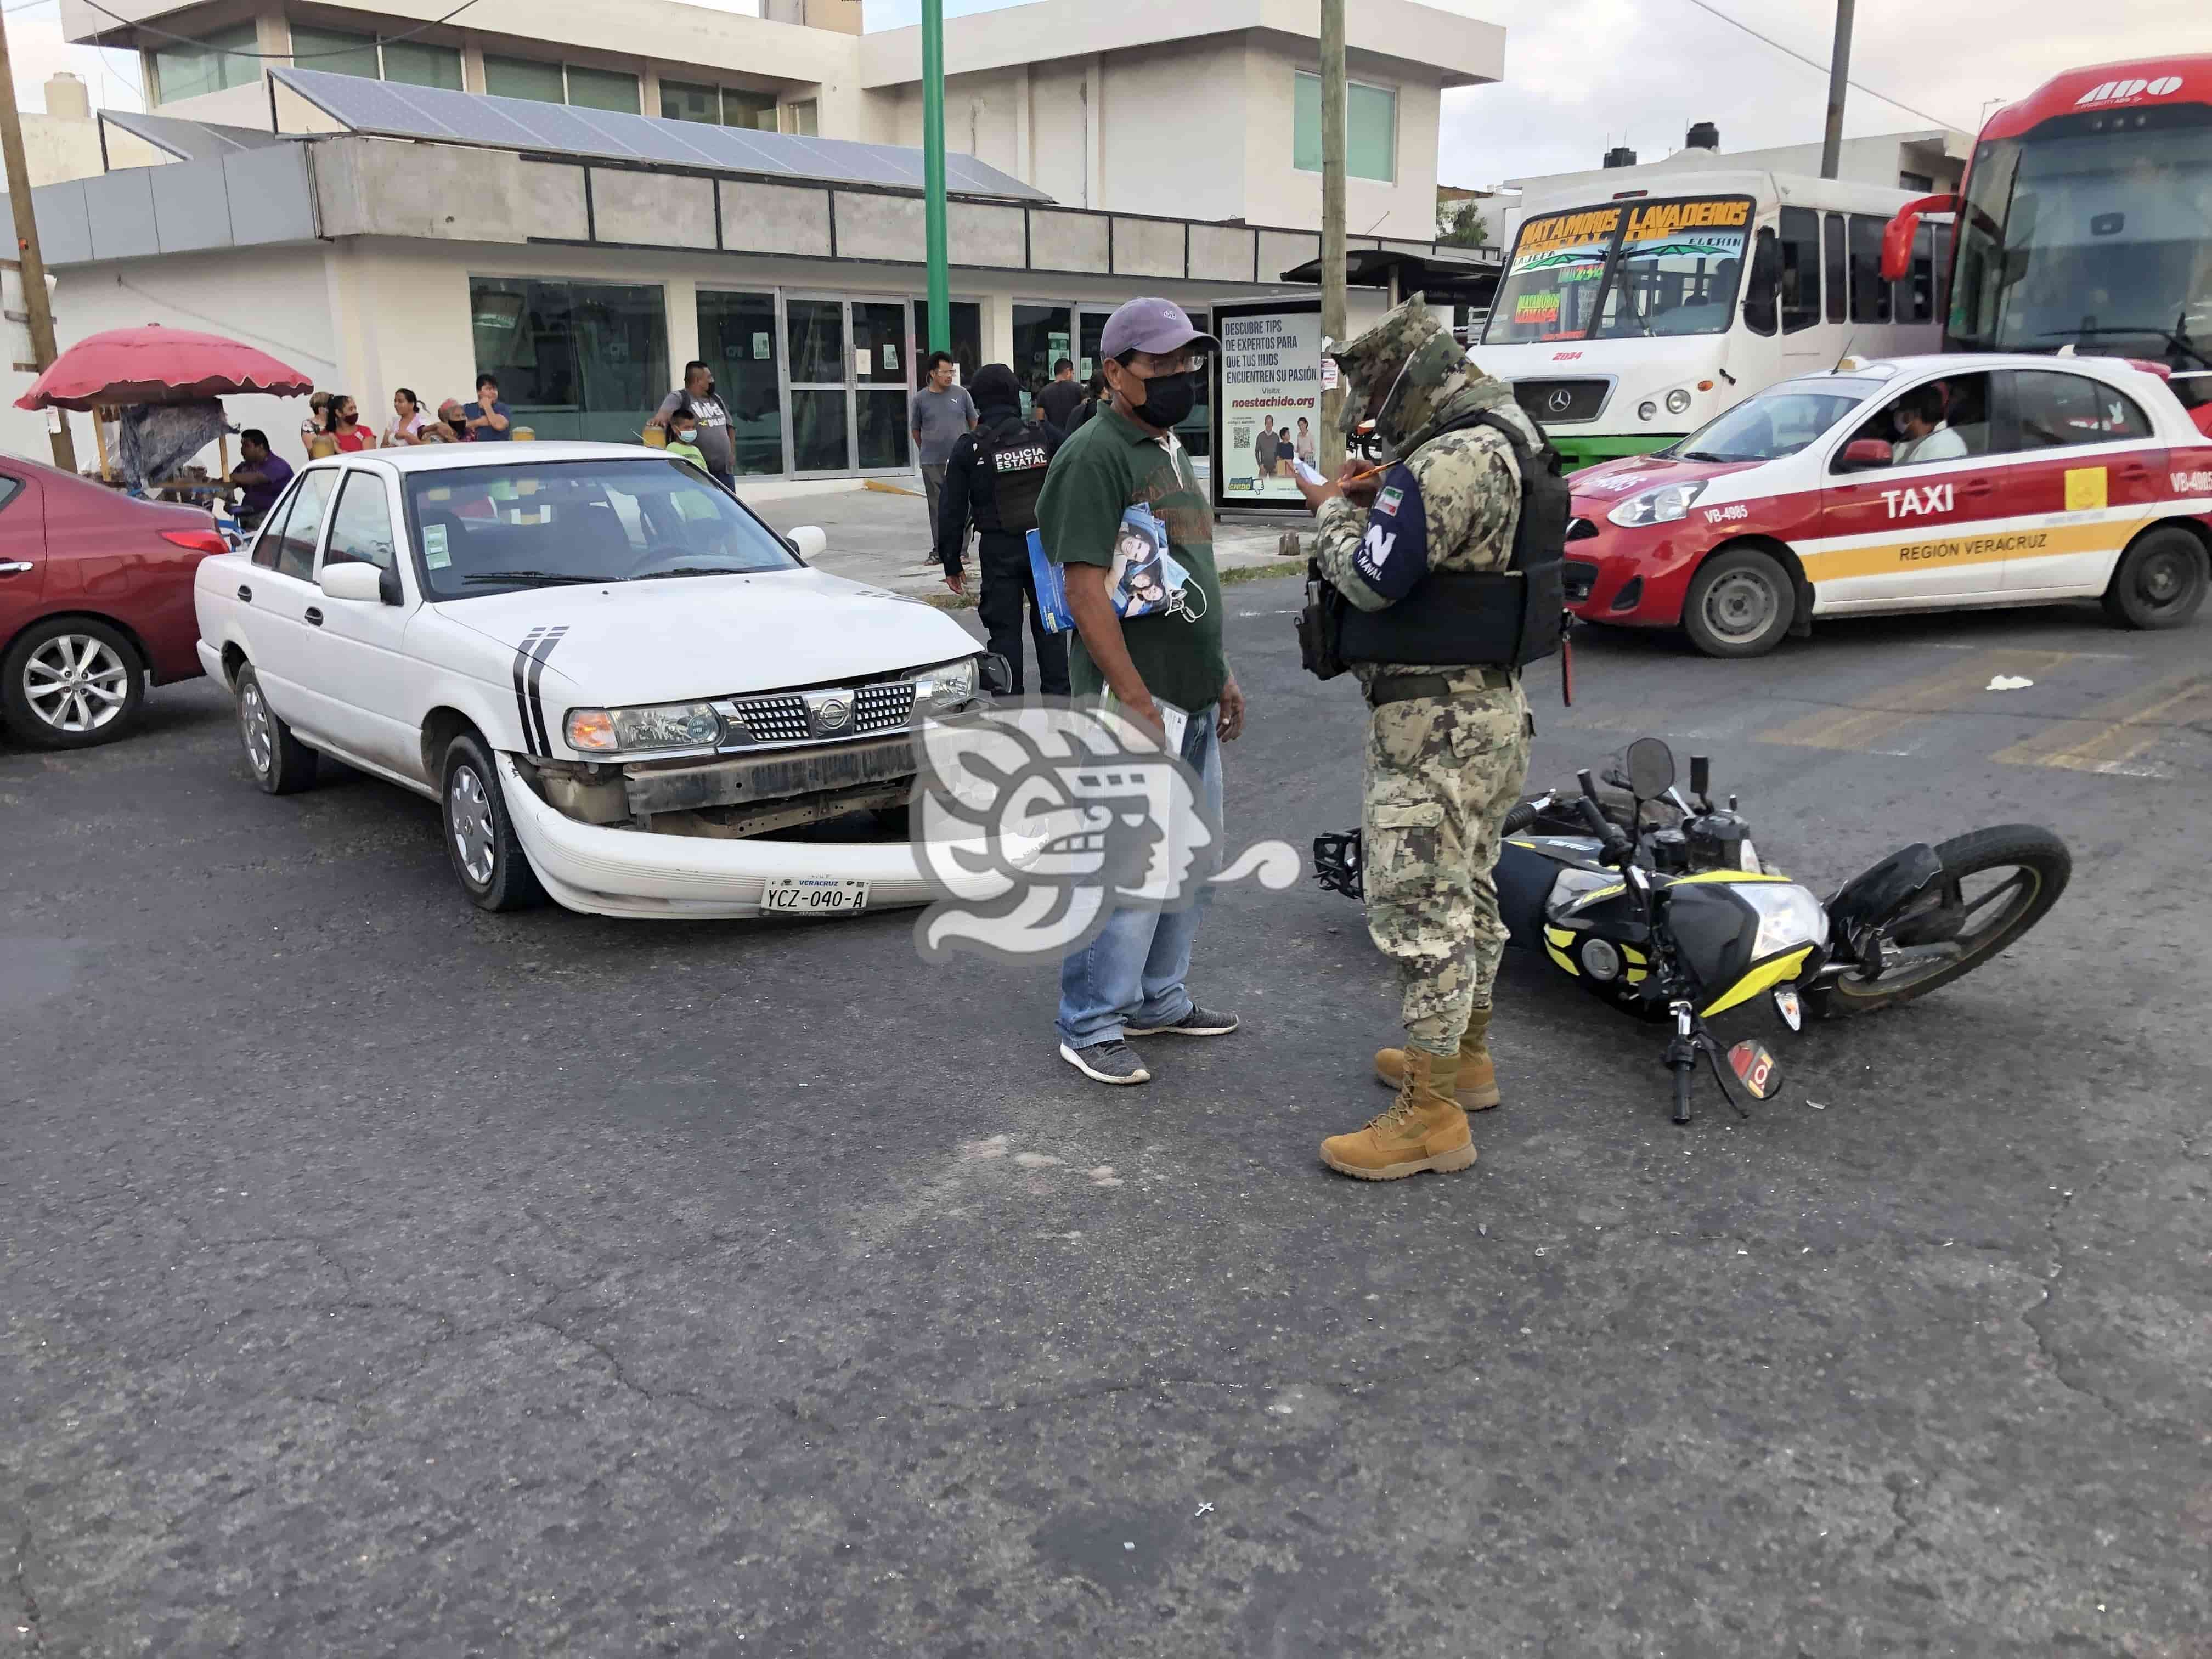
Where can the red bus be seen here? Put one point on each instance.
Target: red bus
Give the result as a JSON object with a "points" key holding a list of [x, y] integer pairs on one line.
{"points": [[2086, 221]]}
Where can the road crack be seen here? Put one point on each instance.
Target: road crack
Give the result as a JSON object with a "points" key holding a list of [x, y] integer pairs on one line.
{"points": [[33, 1631]]}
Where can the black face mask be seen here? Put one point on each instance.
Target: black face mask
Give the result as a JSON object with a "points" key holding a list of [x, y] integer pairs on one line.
{"points": [[1168, 399]]}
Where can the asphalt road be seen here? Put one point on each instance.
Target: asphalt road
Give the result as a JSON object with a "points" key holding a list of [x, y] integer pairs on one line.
{"points": [[384, 1277]]}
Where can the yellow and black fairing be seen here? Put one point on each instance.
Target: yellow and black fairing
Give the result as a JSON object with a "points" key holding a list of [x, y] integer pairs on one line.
{"points": [[1737, 933], [1557, 898]]}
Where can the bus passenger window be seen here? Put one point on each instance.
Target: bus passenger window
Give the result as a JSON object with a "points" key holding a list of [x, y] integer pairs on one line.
{"points": [[1831, 246], [1801, 269], [1762, 288], [1869, 294]]}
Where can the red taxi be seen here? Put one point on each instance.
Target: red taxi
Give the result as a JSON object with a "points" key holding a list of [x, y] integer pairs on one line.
{"points": [[1913, 483]]}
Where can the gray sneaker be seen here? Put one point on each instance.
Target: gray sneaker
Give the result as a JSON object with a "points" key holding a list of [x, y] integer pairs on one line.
{"points": [[1110, 1062], [1199, 1021]]}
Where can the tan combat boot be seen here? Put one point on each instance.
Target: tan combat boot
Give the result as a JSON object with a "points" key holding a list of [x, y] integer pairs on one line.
{"points": [[1422, 1130], [1477, 1089]]}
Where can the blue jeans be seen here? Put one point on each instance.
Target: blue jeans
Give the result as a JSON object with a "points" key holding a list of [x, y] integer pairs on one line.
{"points": [[1133, 971]]}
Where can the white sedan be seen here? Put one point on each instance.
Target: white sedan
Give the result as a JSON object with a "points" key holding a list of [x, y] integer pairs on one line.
{"points": [[623, 689]]}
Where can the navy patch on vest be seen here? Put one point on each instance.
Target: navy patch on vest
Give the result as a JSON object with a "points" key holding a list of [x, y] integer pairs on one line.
{"points": [[1393, 555]]}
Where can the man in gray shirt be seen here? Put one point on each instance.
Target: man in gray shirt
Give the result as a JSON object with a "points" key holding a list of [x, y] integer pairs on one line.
{"points": [[697, 396], [941, 412]]}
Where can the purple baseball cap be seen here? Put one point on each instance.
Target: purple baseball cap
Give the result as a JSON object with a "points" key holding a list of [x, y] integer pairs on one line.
{"points": [[1152, 325]]}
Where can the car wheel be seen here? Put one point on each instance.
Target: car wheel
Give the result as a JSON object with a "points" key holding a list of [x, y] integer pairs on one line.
{"points": [[71, 682], [2160, 581], [1740, 603], [280, 762], [494, 871]]}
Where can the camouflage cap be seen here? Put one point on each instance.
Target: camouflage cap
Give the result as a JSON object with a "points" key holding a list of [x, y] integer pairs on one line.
{"points": [[1412, 356]]}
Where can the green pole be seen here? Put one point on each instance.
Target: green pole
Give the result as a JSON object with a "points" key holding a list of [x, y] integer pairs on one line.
{"points": [[932, 172]]}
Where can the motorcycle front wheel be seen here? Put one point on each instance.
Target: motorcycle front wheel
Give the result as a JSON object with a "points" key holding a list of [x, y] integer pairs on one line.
{"points": [[1997, 883]]}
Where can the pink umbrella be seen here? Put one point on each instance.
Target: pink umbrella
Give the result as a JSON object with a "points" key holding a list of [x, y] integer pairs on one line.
{"points": [[156, 365]]}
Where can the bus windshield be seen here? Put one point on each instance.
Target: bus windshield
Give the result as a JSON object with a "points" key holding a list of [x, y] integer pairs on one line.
{"points": [[1624, 271], [2087, 233]]}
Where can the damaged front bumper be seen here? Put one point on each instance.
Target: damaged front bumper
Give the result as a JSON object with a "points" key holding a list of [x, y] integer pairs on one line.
{"points": [[605, 869]]}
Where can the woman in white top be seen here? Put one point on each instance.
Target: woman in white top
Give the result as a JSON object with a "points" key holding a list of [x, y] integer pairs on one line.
{"points": [[408, 419], [312, 428]]}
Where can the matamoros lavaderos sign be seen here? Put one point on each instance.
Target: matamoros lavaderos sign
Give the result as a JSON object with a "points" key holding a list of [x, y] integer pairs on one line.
{"points": [[1270, 402]]}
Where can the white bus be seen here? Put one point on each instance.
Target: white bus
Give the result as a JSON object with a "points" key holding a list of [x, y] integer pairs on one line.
{"points": [[1625, 324]]}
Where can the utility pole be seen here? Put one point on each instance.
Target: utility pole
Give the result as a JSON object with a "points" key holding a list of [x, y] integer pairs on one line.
{"points": [[1333, 321], [932, 172], [26, 242], [1840, 69]]}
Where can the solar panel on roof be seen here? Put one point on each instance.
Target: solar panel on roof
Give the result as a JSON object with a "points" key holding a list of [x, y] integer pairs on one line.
{"points": [[191, 141], [393, 110]]}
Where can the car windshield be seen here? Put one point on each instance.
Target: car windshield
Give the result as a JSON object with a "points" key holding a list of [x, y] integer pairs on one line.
{"points": [[494, 529], [1780, 420]]}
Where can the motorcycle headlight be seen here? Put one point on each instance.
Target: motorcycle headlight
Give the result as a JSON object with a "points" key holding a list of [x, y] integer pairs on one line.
{"points": [[1659, 505], [945, 686], [660, 726], [1789, 918], [1677, 401]]}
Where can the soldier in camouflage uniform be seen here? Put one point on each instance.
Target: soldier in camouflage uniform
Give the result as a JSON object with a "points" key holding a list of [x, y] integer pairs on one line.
{"points": [[1447, 745]]}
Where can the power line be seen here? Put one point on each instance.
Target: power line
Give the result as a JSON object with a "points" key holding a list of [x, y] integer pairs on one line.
{"points": [[1810, 62], [280, 57]]}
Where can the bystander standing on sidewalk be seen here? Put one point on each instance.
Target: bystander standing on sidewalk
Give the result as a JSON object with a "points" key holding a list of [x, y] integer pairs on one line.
{"points": [[710, 415], [1061, 399], [1125, 476], [938, 414], [488, 419]]}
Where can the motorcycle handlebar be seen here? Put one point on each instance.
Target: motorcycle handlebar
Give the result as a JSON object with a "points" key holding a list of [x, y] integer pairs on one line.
{"points": [[1617, 846]]}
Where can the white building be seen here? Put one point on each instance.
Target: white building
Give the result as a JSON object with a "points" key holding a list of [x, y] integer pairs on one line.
{"points": [[1209, 109], [1156, 147]]}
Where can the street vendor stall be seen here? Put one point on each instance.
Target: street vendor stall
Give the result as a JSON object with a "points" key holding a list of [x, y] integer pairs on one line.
{"points": [[160, 386]]}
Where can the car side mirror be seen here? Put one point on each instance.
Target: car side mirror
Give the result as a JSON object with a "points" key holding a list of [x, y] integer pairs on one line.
{"points": [[353, 579], [1863, 452], [998, 674], [808, 541]]}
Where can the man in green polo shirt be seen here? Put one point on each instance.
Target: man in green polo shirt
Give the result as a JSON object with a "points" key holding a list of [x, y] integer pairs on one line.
{"points": [[1121, 479]]}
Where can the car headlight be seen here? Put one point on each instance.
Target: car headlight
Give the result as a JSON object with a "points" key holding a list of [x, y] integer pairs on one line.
{"points": [[1677, 401], [1658, 506], [1646, 411], [1789, 918], [945, 686], [661, 726]]}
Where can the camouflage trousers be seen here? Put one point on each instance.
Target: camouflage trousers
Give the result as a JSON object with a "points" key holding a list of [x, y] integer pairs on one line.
{"points": [[1442, 775]]}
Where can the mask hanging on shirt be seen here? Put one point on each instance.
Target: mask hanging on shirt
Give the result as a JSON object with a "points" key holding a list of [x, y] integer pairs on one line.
{"points": [[1168, 399]]}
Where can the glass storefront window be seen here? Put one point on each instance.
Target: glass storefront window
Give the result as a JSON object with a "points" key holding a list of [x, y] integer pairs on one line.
{"points": [[574, 360], [883, 377], [967, 347], [187, 69], [737, 339], [817, 342], [817, 431], [1043, 335]]}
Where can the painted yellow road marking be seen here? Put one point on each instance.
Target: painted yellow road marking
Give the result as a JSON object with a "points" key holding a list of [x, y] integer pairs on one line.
{"points": [[1877, 729], [2108, 737]]}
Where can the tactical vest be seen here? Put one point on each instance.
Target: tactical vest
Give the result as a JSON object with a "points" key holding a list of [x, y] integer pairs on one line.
{"points": [[1481, 618], [1016, 458]]}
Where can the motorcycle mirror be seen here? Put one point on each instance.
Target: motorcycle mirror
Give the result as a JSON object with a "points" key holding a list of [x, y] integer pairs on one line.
{"points": [[1701, 777], [1651, 768], [1756, 1069]]}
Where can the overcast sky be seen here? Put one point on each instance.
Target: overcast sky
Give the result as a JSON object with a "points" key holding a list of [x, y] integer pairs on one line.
{"points": [[1583, 74]]}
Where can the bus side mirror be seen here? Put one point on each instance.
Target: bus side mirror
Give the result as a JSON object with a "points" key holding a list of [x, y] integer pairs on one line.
{"points": [[1863, 452], [1897, 241]]}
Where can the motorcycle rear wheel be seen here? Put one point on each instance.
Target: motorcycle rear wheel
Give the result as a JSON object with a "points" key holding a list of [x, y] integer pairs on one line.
{"points": [[1997, 883]]}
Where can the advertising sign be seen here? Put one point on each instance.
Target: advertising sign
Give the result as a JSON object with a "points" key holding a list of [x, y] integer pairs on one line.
{"points": [[1269, 413]]}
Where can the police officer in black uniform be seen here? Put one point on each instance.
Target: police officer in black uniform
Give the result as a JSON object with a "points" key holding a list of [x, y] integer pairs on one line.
{"points": [[994, 478]]}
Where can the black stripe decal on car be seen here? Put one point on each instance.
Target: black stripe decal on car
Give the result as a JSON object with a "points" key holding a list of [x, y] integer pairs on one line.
{"points": [[553, 637], [521, 696]]}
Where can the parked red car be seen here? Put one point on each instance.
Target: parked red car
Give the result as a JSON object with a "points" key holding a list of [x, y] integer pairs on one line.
{"points": [[95, 604]]}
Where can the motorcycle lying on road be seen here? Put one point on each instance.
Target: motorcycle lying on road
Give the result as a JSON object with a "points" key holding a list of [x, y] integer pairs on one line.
{"points": [[1665, 910]]}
